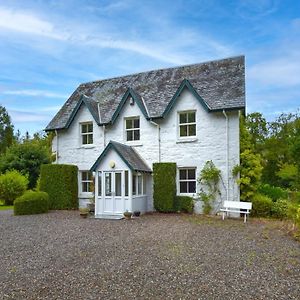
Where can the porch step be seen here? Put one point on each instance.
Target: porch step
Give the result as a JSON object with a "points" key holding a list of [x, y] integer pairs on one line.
{"points": [[108, 217]]}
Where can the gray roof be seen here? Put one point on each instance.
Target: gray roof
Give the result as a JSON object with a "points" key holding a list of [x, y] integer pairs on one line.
{"points": [[220, 84], [128, 154]]}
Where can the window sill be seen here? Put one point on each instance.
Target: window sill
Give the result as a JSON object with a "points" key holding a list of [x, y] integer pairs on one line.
{"points": [[186, 140], [88, 146], [86, 195], [134, 143]]}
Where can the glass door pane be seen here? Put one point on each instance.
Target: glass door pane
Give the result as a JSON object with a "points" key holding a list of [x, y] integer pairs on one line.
{"points": [[118, 184], [108, 184]]}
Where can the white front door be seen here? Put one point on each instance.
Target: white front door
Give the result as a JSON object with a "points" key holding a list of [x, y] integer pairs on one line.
{"points": [[113, 192]]}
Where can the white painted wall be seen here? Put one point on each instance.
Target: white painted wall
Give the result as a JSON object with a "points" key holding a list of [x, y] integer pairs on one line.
{"points": [[210, 143]]}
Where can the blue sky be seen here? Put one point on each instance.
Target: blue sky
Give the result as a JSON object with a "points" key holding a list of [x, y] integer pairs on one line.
{"points": [[47, 48]]}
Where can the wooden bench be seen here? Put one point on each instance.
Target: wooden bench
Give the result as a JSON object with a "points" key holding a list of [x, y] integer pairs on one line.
{"points": [[236, 207]]}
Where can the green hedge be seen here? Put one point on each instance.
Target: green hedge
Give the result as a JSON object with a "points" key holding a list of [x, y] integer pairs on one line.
{"points": [[261, 206], [273, 192], [31, 203], [61, 184], [164, 178], [184, 203]]}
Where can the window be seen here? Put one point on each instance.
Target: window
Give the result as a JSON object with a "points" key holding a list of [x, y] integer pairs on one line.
{"points": [[87, 133], [133, 184], [187, 124], [139, 184], [86, 182], [132, 129], [187, 181], [126, 183]]}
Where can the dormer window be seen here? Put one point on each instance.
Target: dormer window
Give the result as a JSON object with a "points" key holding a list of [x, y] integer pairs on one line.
{"points": [[86, 131], [187, 124], [132, 129]]}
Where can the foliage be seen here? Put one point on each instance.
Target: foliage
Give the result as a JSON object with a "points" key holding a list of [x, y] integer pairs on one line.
{"points": [[27, 158], [164, 178], [209, 179], [31, 202], [273, 192], [12, 185], [261, 206], [184, 203], [289, 174], [250, 173], [61, 184], [279, 209], [6, 130]]}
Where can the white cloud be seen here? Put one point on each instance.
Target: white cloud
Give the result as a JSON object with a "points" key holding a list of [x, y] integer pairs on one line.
{"points": [[165, 49], [28, 23], [278, 71], [25, 116], [35, 93]]}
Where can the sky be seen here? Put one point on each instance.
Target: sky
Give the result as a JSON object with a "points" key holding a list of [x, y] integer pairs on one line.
{"points": [[47, 48]]}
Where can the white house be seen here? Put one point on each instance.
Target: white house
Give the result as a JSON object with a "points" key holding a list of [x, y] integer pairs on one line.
{"points": [[115, 129]]}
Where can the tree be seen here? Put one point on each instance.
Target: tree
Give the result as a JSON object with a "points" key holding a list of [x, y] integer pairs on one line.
{"points": [[6, 130], [27, 157]]}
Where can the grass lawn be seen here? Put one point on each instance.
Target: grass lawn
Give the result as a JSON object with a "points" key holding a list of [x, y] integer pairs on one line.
{"points": [[5, 207]]}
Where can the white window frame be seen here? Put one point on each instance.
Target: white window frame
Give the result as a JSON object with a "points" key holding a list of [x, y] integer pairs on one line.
{"points": [[89, 182], [187, 124], [187, 180], [89, 133], [132, 129], [135, 178]]}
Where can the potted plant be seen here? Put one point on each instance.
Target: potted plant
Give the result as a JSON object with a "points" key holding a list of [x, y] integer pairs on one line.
{"points": [[127, 214], [84, 212], [136, 213], [91, 204]]}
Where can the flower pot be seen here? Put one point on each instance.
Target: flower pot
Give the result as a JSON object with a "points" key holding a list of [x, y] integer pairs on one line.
{"points": [[136, 213], [127, 215]]}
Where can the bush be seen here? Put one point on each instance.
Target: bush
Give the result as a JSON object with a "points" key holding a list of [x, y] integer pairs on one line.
{"points": [[164, 178], [12, 185], [61, 184], [261, 206], [184, 203], [280, 209], [31, 203], [273, 192]]}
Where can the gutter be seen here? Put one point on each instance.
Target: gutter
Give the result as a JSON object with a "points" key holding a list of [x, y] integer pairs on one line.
{"points": [[227, 155], [158, 138]]}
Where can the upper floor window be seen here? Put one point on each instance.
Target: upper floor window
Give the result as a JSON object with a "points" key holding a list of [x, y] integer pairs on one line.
{"points": [[187, 181], [86, 182], [132, 129], [86, 133], [187, 124]]}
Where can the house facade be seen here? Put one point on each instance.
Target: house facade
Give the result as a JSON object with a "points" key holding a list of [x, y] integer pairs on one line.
{"points": [[115, 129]]}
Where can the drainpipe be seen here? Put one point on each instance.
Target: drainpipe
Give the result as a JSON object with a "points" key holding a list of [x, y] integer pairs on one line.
{"points": [[227, 155], [158, 138], [56, 154]]}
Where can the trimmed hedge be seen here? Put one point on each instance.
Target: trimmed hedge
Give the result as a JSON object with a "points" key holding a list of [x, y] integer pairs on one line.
{"points": [[31, 203], [261, 206], [184, 203], [164, 184], [61, 184], [12, 185]]}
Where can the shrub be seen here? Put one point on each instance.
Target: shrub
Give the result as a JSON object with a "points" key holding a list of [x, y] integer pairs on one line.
{"points": [[184, 203], [280, 209], [61, 184], [12, 185], [164, 178], [31, 203], [273, 192], [261, 206]]}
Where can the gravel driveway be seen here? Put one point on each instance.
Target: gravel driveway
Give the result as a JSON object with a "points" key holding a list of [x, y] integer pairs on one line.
{"points": [[62, 256]]}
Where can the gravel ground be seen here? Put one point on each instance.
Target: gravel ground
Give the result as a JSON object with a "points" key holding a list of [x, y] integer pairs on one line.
{"points": [[62, 256]]}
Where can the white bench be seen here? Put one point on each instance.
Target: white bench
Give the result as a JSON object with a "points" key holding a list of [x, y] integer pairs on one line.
{"points": [[236, 207]]}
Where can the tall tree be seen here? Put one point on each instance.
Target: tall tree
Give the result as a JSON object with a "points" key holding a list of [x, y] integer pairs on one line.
{"points": [[6, 130]]}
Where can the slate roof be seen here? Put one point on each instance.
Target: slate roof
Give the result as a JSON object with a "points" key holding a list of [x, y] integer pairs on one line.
{"points": [[220, 83], [128, 154]]}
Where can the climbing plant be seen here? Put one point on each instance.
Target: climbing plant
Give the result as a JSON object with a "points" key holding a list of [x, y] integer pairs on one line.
{"points": [[209, 180]]}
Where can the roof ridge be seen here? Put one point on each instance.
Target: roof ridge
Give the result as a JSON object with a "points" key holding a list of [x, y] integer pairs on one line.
{"points": [[162, 69]]}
